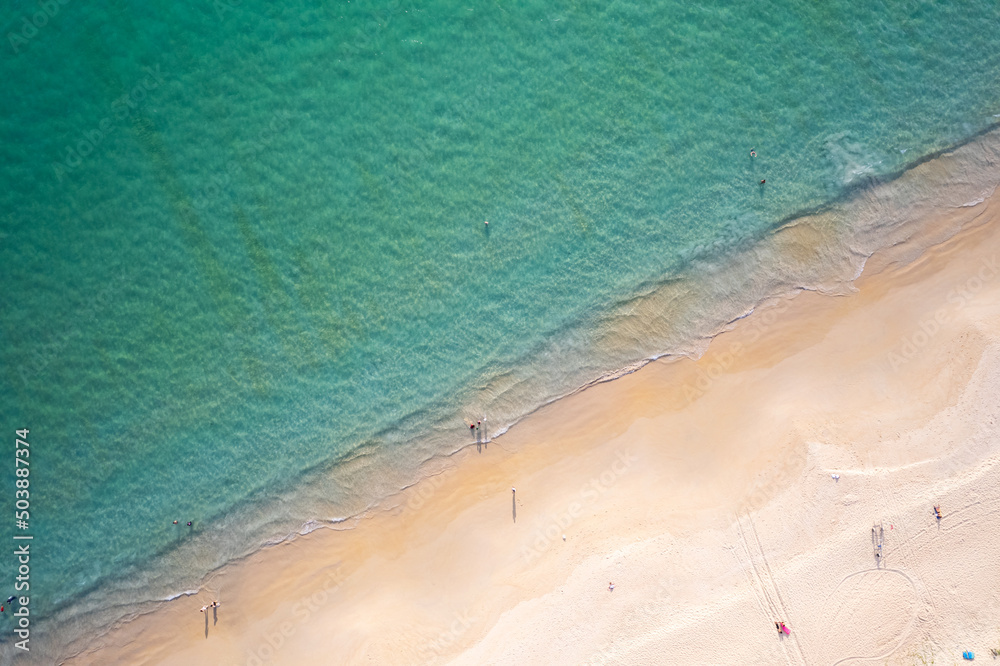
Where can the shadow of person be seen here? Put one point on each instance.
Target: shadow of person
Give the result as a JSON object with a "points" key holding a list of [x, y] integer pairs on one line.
{"points": [[206, 625], [513, 505], [215, 615]]}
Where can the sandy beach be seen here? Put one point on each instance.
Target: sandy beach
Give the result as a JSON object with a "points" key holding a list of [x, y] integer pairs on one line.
{"points": [[718, 495]]}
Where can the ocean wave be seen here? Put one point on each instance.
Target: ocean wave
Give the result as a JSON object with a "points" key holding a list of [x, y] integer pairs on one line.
{"points": [[822, 250], [178, 595]]}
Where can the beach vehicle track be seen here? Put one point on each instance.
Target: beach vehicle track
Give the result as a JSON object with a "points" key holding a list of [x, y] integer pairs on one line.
{"points": [[890, 504], [952, 514], [776, 603], [764, 602], [903, 635]]}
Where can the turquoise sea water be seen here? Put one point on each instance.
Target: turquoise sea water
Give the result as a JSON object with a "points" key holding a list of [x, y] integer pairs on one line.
{"points": [[246, 279]]}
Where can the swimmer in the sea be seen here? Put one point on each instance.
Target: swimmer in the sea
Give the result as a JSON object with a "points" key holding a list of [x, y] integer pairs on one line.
{"points": [[753, 153]]}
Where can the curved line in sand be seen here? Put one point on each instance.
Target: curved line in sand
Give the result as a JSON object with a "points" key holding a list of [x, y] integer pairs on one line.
{"points": [[879, 470], [905, 633]]}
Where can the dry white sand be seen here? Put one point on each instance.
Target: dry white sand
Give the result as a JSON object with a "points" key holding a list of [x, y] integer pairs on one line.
{"points": [[702, 489]]}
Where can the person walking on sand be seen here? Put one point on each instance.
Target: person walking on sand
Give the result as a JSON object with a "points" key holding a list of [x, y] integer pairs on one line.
{"points": [[611, 587]]}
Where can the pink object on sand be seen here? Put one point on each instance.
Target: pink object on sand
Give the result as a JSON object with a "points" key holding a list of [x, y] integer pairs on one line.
{"points": [[785, 629]]}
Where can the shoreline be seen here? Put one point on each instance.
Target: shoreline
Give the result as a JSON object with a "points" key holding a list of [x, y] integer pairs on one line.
{"points": [[569, 457], [817, 252]]}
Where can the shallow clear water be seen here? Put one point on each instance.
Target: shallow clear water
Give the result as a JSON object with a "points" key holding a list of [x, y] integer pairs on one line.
{"points": [[241, 242]]}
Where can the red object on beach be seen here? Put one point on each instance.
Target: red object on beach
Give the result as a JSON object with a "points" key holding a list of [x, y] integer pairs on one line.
{"points": [[785, 629]]}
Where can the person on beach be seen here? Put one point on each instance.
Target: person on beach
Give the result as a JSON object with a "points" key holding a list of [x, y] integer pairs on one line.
{"points": [[937, 512], [203, 609], [611, 587]]}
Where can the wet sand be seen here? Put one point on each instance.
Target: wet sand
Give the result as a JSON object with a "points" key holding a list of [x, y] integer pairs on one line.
{"points": [[702, 489]]}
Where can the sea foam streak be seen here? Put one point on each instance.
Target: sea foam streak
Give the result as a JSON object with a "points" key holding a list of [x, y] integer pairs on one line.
{"points": [[821, 251]]}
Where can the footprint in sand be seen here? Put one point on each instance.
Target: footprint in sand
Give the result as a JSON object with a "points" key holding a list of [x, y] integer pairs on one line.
{"points": [[870, 614]]}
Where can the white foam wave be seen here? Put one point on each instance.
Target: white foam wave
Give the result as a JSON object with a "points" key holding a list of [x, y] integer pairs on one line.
{"points": [[185, 593], [822, 252]]}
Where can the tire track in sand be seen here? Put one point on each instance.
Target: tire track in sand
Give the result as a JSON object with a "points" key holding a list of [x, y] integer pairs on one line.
{"points": [[768, 585]]}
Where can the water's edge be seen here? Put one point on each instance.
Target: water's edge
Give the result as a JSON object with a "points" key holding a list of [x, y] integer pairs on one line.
{"points": [[823, 249]]}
